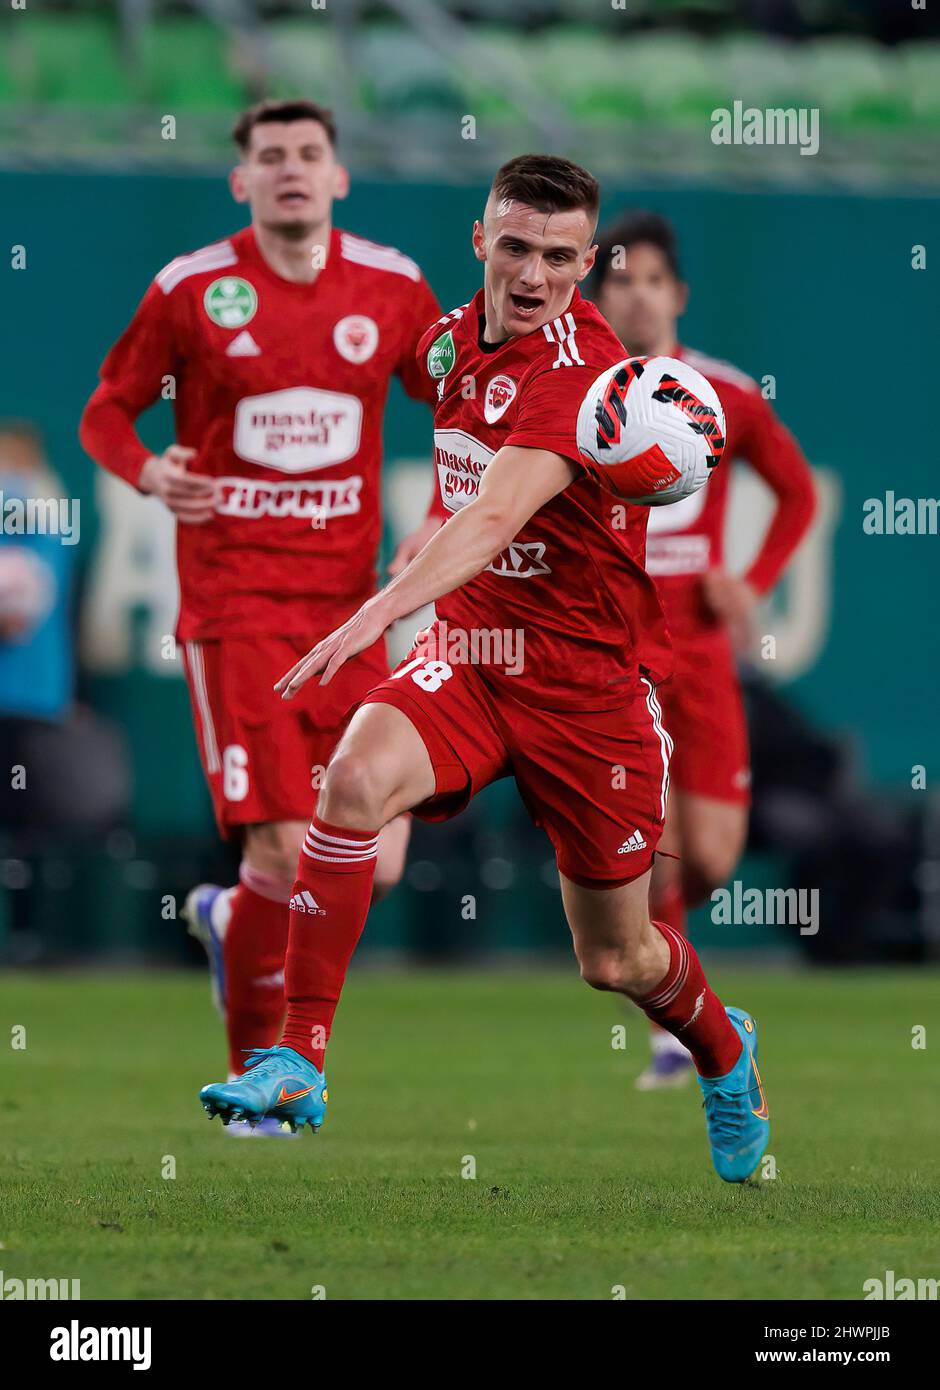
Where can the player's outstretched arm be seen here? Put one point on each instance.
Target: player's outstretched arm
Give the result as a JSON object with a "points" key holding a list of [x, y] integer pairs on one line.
{"points": [[516, 483]]}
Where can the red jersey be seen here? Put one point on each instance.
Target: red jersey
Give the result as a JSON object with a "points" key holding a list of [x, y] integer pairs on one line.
{"points": [[280, 387], [571, 581], [687, 538]]}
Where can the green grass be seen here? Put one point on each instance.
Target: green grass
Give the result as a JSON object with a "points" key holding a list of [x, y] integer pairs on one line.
{"points": [[581, 1184]]}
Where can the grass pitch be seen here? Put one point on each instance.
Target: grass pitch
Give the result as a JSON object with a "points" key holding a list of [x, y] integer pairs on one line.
{"points": [[581, 1185]]}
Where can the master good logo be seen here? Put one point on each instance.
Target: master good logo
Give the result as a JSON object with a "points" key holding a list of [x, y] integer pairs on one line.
{"points": [[231, 302], [298, 430], [460, 461]]}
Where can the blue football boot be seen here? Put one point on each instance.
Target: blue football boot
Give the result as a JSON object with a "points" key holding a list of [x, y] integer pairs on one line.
{"points": [[736, 1109], [197, 914], [277, 1082]]}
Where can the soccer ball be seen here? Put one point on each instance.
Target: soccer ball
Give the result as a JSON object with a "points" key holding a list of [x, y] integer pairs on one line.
{"points": [[652, 429]]}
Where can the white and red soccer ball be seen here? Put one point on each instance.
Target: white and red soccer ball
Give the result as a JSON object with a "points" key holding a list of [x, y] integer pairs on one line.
{"points": [[652, 428]]}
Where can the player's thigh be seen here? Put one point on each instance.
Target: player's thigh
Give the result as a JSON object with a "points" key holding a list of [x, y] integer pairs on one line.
{"points": [[449, 709], [596, 781], [381, 767], [616, 945], [712, 833]]}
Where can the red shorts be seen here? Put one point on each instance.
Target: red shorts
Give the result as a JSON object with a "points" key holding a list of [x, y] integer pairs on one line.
{"points": [[265, 757], [704, 713], [595, 781]]}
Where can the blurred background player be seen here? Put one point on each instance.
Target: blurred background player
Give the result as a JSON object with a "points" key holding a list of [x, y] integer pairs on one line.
{"points": [[639, 289], [276, 346]]}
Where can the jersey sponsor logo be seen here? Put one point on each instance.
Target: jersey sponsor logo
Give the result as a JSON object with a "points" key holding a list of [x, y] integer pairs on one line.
{"points": [[252, 499], [298, 430], [500, 394], [460, 461], [356, 337], [243, 346], [678, 516], [521, 560], [669, 547], [442, 355], [677, 554], [231, 302]]}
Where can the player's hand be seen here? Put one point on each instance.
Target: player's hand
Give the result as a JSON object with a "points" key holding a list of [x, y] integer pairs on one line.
{"points": [[363, 628], [733, 601], [414, 543], [189, 496]]}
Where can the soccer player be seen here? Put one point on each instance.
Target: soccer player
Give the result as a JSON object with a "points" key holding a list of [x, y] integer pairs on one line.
{"points": [[639, 289], [277, 344], [531, 550]]}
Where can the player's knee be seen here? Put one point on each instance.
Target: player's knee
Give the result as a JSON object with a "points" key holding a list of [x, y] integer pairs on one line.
{"points": [[612, 969], [352, 793], [274, 850], [281, 863], [601, 970]]}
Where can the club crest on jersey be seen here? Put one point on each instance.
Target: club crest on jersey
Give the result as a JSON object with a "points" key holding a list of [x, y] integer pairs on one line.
{"points": [[500, 394], [442, 355], [356, 337], [231, 302]]}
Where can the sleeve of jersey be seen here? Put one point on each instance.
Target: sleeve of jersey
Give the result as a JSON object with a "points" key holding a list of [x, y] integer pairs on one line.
{"points": [[422, 310], [773, 453], [548, 411], [131, 379]]}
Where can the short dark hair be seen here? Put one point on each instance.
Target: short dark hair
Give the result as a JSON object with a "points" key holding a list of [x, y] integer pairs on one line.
{"points": [[285, 111], [639, 228], [548, 184]]}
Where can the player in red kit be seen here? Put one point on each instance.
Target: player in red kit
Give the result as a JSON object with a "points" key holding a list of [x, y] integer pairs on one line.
{"points": [[280, 342], [639, 289], [543, 664]]}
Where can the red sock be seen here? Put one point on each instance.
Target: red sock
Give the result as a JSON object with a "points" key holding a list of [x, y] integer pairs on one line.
{"points": [[668, 905], [328, 911], [685, 1005], [253, 950]]}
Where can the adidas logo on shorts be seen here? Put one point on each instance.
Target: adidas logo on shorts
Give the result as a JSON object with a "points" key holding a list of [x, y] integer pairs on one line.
{"points": [[306, 902], [631, 843]]}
